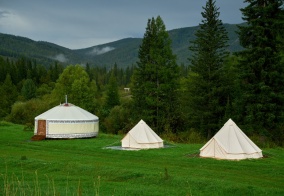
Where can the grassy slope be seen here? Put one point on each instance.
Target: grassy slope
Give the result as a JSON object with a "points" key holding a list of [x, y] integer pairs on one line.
{"points": [[83, 166]]}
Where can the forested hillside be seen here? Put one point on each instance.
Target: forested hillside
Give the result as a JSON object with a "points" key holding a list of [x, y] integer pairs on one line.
{"points": [[43, 52], [123, 52]]}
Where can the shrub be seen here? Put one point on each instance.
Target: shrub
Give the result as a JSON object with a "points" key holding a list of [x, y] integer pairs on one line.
{"points": [[190, 136], [29, 127], [262, 141], [25, 112], [5, 123], [118, 121]]}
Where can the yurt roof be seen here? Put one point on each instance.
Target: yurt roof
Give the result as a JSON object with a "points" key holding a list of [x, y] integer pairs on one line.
{"points": [[142, 133], [67, 112], [233, 139]]}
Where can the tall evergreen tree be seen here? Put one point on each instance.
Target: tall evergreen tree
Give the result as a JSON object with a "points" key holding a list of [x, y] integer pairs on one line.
{"points": [[207, 96], [3, 69], [261, 71], [155, 79], [113, 98], [29, 89], [55, 71], [21, 65], [8, 96], [128, 73]]}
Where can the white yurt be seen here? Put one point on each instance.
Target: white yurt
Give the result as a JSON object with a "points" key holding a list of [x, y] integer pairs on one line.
{"points": [[141, 136], [66, 121], [230, 142]]}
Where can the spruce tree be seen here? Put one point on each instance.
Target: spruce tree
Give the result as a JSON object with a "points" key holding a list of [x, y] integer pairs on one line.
{"points": [[155, 79], [88, 70], [207, 98], [29, 89], [112, 98], [8, 96], [261, 70]]}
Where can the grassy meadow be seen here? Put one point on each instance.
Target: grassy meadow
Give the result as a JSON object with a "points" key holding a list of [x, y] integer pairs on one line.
{"points": [[86, 167]]}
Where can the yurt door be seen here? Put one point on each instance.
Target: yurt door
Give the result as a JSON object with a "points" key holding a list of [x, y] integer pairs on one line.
{"points": [[41, 127]]}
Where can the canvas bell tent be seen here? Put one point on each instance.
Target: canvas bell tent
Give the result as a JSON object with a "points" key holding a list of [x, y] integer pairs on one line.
{"points": [[230, 142], [66, 121], [141, 136]]}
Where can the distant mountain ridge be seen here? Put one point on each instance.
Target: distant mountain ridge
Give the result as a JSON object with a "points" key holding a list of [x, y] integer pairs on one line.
{"points": [[123, 52]]}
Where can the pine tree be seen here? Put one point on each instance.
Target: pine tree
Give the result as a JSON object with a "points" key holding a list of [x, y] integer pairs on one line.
{"points": [[3, 69], [207, 97], [261, 71], [29, 89], [8, 96], [155, 79], [127, 76], [88, 70], [113, 98]]}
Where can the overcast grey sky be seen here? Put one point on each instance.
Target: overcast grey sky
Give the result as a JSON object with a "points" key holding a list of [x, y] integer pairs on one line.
{"points": [[80, 24]]}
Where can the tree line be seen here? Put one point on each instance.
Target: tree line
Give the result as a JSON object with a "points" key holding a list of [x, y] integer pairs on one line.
{"points": [[183, 102]]}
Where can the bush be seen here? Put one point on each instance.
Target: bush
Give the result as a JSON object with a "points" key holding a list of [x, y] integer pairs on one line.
{"points": [[29, 127], [25, 112], [118, 121], [191, 136], [262, 141], [4, 123]]}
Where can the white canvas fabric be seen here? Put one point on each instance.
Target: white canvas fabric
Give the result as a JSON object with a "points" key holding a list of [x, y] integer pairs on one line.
{"points": [[67, 112], [230, 142], [67, 121], [142, 136]]}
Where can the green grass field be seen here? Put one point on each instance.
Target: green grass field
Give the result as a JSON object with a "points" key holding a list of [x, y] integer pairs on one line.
{"points": [[85, 167]]}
